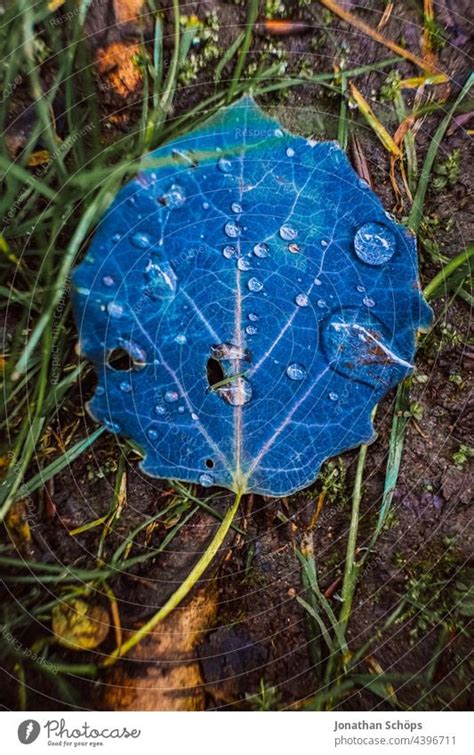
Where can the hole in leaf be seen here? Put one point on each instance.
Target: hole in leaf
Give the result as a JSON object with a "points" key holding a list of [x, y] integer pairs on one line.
{"points": [[209, 463], [215, 373], [120, 360]]}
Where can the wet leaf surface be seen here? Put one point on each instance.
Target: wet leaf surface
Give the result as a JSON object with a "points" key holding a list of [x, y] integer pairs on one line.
{"points": [[246, 302]]}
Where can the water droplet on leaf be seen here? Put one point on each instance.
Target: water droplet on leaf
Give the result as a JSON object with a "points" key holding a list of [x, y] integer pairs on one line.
{"points": [[374, 244], [288, 233], [232, 229], [255, 285], [236, 392], [171, 396], [174, 197], [141, 240], [261, 250], [243, 264], [114, 309], [296, 371], [224, 165], [302, 300], [206, 480]]}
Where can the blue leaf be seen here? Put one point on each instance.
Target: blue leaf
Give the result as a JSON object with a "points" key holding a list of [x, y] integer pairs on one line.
{"points": [[246, 302]]}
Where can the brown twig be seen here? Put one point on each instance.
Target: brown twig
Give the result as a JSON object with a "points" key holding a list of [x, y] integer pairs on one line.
{"points": [[357, 23]]}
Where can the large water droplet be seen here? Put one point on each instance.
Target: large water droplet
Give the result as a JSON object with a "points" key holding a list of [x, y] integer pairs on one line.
{"points": [[141, 240], [251, 330], [181, 339], [261, 249], [296, 371], [293, 248], [357, 347], [174, 197], [108, 281], [171, 396], [232, 229], [368, 301], [253, 317], [324, 243], [317, 282], [255, 285], [290, 152], [302, 300], [206, 480], [243, 264], [236, 392], [333, 396], [228, 351], [288, 233], [374, 244], [236, 207]]}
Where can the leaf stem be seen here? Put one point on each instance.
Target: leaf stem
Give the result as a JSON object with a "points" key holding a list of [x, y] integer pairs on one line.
{"points": [[351, 568], [183, 590]]}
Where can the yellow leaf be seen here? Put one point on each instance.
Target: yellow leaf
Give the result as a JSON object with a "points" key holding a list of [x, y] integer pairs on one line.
{"points": [[79, 625]]}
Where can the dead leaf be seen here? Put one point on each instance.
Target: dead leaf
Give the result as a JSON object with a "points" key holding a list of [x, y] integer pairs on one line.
{"points": [[117, 64], [80, 625]]}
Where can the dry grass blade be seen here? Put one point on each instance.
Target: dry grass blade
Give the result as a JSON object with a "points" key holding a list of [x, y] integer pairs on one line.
{"points": [[357, 23], [369, 115]]}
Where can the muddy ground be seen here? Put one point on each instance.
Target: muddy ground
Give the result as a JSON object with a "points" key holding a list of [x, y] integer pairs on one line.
{"points": [[244, 623]]}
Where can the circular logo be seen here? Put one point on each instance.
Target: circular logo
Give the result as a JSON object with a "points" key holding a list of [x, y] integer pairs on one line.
{"points": [[28, 731]]}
